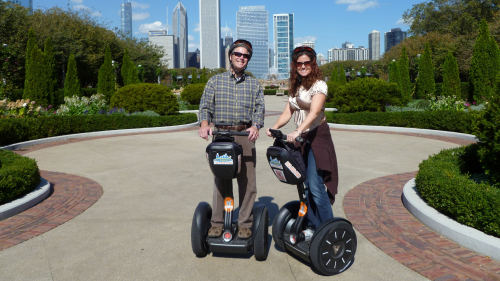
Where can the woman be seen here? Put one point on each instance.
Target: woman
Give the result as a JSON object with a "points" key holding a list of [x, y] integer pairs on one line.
{"points": [[307, 100]]}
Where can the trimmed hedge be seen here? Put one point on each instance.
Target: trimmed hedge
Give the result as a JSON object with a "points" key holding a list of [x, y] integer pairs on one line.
{"points": [[145, 96], [444, 120], [19, 175], [443, 185], [14, 130], [192, 93], [193, 106]]}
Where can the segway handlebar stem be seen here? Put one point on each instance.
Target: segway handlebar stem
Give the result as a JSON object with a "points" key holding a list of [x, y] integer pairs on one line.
{"points": [[278, 134]]}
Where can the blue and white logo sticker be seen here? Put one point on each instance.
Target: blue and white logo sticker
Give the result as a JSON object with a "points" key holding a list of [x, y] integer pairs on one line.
{"points": [[275, 163], [223, 160]]}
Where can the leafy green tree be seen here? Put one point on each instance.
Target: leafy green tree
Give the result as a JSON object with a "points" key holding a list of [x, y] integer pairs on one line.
{"points": [[106, 82], [194, 77], [37, 85], [404, 74], [72, 83], [342, 78], [140, 73], [335, 75], [487, 131], [125, 70], [203, 77], [451, 78], [28, 82], [482, 65], [50, 73], [362, 72], [185, 79], [133, 75], [426, 83], [394, 76]]}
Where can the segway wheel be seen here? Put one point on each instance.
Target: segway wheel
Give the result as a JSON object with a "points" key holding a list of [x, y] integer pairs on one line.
{"points": [[260, 241], [289, 211], [333, 248], [199, 229]]}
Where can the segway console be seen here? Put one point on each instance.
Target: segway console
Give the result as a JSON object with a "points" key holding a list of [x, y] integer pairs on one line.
{"points": [[224, 158], [332, 247]]}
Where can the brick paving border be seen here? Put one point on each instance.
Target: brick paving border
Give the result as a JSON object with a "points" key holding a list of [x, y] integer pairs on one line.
{"points": [[70, 196]]}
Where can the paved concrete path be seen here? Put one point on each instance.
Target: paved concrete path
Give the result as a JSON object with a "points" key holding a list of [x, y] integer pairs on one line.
{"points": [[139, 229]]}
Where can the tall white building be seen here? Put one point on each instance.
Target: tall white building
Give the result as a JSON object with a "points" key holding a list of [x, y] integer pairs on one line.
{"points": [[348, 52], [308, 44], [126, 19], [252, 24], [210, 41], [180, 26], [283, 43], [374, 45], [161, 39]]}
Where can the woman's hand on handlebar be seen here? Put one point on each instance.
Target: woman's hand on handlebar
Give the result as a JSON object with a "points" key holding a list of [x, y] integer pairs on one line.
{"points": [[268, 133], [292, 136], [205, 131]]}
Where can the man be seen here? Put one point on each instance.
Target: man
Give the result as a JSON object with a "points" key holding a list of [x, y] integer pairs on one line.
{"points": [[236, 98]]}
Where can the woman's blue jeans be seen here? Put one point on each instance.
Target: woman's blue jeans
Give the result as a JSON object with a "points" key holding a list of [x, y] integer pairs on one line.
{"points": [[318, 202]]}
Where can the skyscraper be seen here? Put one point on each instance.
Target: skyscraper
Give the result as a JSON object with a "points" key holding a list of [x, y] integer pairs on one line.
{"points": [[161, 39], [308, 44], [210, 34], [348, 52], [180, 26], [374, 45], [283, 43], [252, 24], [393, 37], [127, 19], [228, 41]]}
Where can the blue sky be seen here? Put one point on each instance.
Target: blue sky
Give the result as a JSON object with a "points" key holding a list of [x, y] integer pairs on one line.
{"points": [[328, 23]]}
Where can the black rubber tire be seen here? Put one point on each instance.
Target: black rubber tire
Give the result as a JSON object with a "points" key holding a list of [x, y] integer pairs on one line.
{"points": [[338, 235], [260, 242], [289, 211], [199, 229]]}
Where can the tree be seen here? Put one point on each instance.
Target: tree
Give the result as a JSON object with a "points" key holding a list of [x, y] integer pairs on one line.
{"points": [[394, 76], [29, 47], [404, 74], [132, 76], [106, 78], [335, 75], [342, 78], [185, 79], [50, 73], [194, 77], [482, 65], [426, 83], [72, 83], [451, 79], [37, 85], [125, 67], [362, 72], [203, 77]]}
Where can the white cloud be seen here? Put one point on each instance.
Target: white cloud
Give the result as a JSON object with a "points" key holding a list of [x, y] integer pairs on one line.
{"points": [[193, 46], [77, 1], [97, 14], [85, 8], [136, 5], [197, 28], [227, 30], [190, 38], [358, 5], [146, 27], [401, 21], [300, 40], [140, 16]]}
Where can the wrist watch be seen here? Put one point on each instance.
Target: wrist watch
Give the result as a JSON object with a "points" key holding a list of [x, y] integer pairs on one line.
{"points": [[257, 126]]}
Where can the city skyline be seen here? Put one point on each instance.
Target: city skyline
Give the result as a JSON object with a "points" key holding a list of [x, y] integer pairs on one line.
{"points": [[326, 23]]}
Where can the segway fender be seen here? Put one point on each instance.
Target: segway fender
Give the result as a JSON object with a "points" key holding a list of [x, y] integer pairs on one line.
{"points": [[283, 217], [258, 212], [202, 212]]}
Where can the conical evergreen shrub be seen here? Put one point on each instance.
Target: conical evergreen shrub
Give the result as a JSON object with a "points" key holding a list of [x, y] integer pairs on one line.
{"points": [[132, 76], [125, 67], [404, 75], [106, 78], [451, 77], [50, 74], [35, 78], [72, 83], [394, 74], [203, 77], [29, 46], [194, 77], [335, 75], [426, 82], [342, 77]]}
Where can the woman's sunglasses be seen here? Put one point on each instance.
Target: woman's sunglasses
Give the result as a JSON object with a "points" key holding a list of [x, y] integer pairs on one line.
{"points": [[238, 54], [303, 63]]}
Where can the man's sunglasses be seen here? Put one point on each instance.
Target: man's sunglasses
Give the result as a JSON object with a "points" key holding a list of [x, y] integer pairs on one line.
{"points": [[238, 54], [304, 63], [241, 41], [304, 49]]}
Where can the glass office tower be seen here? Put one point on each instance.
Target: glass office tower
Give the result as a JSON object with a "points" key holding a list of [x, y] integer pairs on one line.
{"points": [[180, 26], [252, 24], [393, 37], [283, 43], [210, 40], [126, 13]]}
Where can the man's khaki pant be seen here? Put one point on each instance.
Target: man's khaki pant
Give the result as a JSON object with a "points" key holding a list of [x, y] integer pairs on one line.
{"points": [[246, 188]]}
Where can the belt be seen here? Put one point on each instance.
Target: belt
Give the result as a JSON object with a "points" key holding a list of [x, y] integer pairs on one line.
{"points": [[235, 128]]}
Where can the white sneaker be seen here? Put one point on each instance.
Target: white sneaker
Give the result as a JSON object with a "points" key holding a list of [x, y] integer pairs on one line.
{"points": [[308, 233]]}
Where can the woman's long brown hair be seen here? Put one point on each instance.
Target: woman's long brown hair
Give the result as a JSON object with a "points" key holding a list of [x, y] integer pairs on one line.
{"points": [[296, 80]]}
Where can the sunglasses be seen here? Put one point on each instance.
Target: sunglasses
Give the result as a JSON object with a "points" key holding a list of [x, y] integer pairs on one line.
{"points": [[304, 63], [241, 41], [238, 54]]}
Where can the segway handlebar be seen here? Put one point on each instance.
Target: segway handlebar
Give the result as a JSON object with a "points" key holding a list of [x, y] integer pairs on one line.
{"points": [[278, 134], [230, 133]]}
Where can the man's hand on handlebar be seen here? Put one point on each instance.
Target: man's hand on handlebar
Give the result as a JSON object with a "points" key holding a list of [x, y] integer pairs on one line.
{"points": [[253, 133], [205, 131]]}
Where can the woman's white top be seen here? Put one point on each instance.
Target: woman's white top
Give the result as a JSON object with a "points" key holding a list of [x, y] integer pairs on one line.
{"points": [[319, 87]]}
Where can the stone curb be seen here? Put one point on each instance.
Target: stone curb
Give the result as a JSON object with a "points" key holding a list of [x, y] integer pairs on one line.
{"points": [[404, 130], [20, 145], [468, 237], [29, 200]]}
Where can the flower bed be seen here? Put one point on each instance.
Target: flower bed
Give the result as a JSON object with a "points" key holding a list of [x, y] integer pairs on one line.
{"points": [[19, 175]]}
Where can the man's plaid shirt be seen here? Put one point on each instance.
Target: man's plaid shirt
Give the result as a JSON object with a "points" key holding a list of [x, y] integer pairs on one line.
{"points": [[226, 100]]}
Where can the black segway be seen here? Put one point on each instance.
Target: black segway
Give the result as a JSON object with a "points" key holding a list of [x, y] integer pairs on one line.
{"points": [[224, 157], [332, 247]]}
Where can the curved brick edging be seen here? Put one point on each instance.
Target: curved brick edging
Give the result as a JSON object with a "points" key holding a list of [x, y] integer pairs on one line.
{"points": [[376, 210], [71, 195]]}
